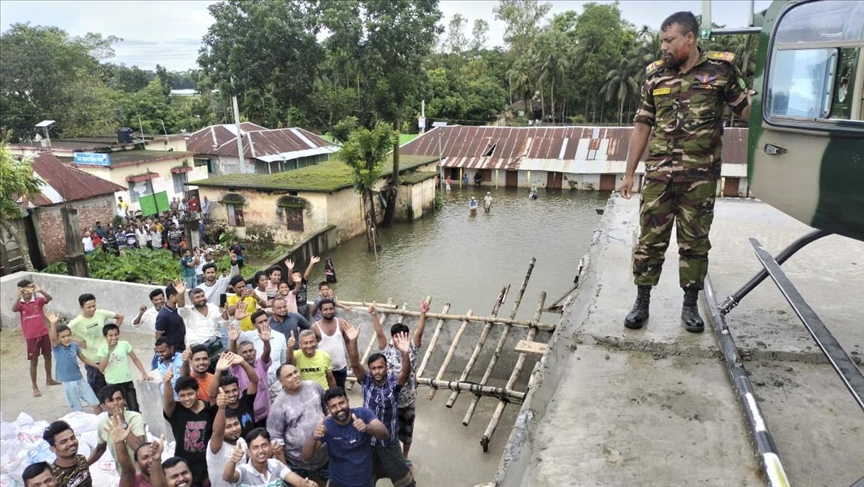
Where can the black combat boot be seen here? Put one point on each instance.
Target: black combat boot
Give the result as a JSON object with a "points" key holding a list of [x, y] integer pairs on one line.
{"points": [[690, 312], [637, 316]]}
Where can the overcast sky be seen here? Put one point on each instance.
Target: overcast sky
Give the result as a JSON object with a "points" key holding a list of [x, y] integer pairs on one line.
{"points": [[169, 32]]}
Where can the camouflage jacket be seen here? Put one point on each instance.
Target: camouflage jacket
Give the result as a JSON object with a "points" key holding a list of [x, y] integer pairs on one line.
{"points": [[685, 111]]}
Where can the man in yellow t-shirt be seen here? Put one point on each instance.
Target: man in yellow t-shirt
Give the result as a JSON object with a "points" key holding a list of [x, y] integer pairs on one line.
{"points": [[312, 363], [242, 297]]}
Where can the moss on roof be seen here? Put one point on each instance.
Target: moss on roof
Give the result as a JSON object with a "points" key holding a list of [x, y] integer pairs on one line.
{"points": [[416, 177], [328, 176]]}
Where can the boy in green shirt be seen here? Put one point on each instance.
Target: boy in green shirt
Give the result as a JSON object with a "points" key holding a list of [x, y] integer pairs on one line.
{"points": [[114, 363], [87, 332]]}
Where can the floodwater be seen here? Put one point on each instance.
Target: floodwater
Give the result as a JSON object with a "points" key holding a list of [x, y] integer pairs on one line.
{"points": [[466, 260]]}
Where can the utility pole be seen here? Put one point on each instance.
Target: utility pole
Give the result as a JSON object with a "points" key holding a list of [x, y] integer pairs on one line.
{"points": [[241, 159]]}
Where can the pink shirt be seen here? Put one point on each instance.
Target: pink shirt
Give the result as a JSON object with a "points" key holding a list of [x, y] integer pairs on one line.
{"points": [[33, 317], [262, 398]]}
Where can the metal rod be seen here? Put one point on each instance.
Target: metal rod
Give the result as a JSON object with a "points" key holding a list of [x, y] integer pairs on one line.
{"points": [[732, 31], [845, 367], [501, 341], [458, 385], [514, 376], [479, 346], [449, 356], [769, 459], [782, 257], [432, 342]]}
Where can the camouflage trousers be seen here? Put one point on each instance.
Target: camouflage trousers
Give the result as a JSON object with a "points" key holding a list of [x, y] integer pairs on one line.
{"points": [[690, 205]]}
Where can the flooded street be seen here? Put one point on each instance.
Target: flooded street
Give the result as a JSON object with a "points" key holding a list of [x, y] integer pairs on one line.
{"points": [[465, 260]]}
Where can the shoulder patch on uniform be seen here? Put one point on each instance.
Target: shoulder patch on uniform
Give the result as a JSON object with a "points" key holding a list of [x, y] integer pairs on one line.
{"points": [[654, 66], [720, 56]]}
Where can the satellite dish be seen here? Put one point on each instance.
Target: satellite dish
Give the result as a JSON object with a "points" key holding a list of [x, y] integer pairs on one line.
{"points": [[45, 123]]}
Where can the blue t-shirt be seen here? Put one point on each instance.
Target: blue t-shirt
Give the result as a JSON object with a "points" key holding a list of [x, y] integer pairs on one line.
{"points": [[67, 369], [350, 451]]}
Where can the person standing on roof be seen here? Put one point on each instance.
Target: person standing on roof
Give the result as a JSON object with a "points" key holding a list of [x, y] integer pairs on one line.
{"points": [[682, 107]]}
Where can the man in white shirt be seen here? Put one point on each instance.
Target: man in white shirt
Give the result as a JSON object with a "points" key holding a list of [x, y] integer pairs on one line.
{"points": [[202, 318], [147, 316], [212, 286]]}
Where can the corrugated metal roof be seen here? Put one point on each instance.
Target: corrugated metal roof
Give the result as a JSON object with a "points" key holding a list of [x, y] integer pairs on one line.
{"points": [[525, 147], [258, 142], [65, 183]]}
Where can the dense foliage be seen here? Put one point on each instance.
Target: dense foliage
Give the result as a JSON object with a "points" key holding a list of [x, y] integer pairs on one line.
{"points": [[316, 63]]}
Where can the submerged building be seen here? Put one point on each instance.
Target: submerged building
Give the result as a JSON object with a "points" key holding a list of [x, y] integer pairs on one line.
{"points": [[585, 158]]}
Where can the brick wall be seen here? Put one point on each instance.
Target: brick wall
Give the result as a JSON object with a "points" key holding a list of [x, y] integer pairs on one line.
{"points": [[49, 223]]}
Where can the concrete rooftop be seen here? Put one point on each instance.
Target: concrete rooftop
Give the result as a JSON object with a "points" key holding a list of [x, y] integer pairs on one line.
{"points": [[655, 407]]}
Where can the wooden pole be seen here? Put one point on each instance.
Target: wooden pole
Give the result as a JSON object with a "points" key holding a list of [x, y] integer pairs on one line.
{"points": [[449, 356], [484, 319], [483, 334], [432, 342], [514, 376], [458, 385], [364, 304], [501, 341]]}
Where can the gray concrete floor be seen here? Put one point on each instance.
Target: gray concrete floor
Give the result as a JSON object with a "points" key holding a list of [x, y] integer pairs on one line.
{"points": [[655, 406]]}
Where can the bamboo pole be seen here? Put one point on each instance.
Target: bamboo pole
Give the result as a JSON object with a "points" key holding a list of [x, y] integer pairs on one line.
{"points": [[432, 342], [483, 334], [514, 376], [364, 304], [449, 356], [501, 341], [458, 385], [485, 319]]}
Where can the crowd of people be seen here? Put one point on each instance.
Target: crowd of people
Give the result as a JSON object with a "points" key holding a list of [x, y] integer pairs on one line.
{"points": [[252, 378], [164, 230]]}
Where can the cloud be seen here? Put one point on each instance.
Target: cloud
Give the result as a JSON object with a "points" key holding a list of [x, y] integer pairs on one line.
{"points": [[169, 33]]}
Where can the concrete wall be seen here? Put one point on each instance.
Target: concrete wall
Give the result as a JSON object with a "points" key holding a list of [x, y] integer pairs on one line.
{"points": [[120, 297], [49, 223], [341, 209], [173, 143], [415, 200]]}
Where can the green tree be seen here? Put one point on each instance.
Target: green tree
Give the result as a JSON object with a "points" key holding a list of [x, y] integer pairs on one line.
{"points": [[455, 39], [479, 35], [522, 19], [17, 180], [44, 71], [266, 51], [365, 152]]}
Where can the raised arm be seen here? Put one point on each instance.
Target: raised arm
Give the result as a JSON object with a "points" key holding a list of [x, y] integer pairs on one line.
{"points": [[117, 433], [351, 334], [52, 327], [180, 286], [157, 474], [229, 473], [218, 435], [417, 339], [375, 427], [17, 299], [225, 361], [44, 293], [400, 340], [376, 324], [314, 260], [141, 311], [250, 373], [314, 443], [265, 333], [168, 403], [187, 356]]}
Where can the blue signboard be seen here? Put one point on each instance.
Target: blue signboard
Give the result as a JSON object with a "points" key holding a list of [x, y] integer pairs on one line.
{"points": [[91, 158]]}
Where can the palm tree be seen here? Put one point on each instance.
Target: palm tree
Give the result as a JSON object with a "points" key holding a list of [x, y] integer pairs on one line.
{"points": [[622, 82], [551, 53]]}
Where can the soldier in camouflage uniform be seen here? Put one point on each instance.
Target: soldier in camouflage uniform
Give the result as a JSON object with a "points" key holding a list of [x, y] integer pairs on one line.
{"points": [[682, 107]]}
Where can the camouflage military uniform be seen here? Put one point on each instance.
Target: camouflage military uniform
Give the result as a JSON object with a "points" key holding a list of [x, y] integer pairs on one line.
{"points": [[685, 111]]}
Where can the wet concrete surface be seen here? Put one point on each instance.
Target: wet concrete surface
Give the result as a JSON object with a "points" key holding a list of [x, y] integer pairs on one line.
{"points": [[655, 406]]}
